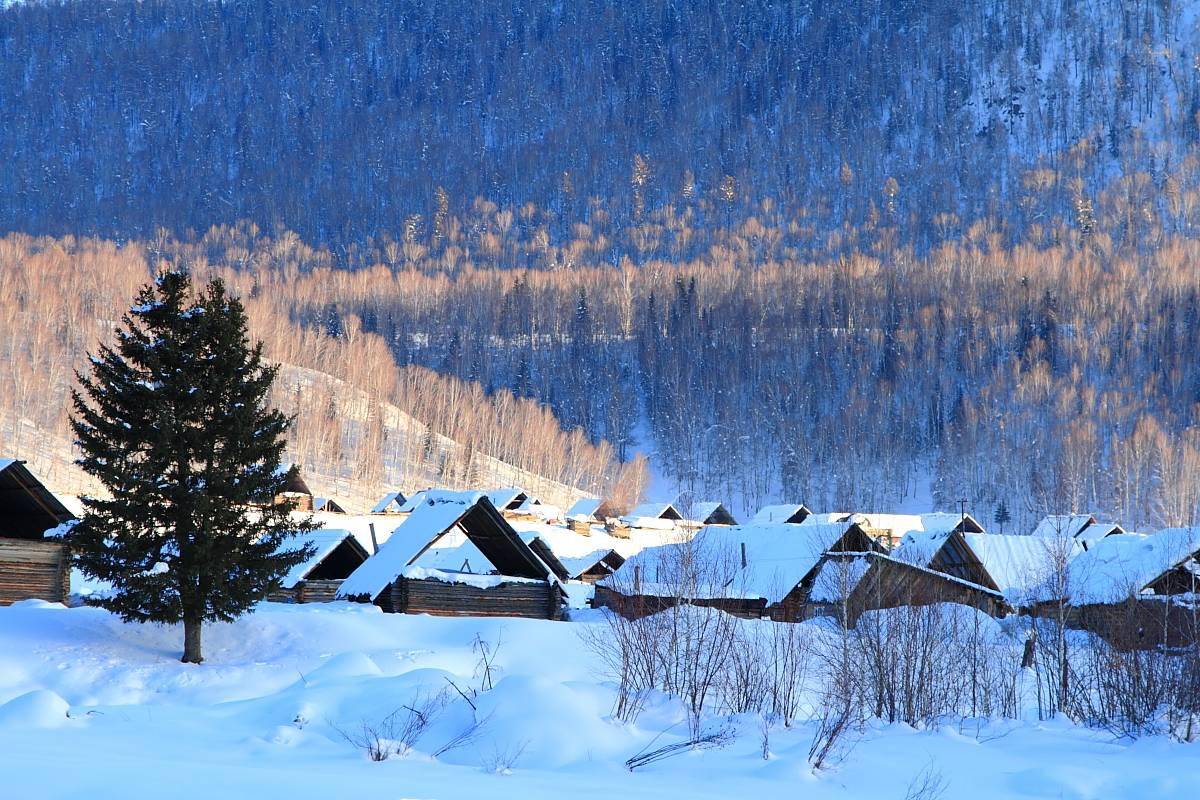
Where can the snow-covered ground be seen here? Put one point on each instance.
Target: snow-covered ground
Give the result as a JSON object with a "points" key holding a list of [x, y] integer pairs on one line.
{"points": [[91, 707]]}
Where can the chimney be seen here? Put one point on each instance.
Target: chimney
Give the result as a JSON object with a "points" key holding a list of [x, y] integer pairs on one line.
{"points": [[374, 541], [743, 555]]}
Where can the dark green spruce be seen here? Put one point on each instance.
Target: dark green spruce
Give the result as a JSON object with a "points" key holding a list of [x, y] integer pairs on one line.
{"points": [[173, 420]]}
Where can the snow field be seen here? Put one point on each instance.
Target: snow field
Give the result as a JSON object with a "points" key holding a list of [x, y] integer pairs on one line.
{"points": [[93, 707]]}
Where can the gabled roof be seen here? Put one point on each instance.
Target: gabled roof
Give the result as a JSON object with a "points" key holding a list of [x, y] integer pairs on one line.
{"points": [[581, 564], [510, 498], [778, 557], [790, 513], [391, 503], [712, 513], [27, 508], [414, 500], [1066, 525], [651, 511], [585, 507], [1118, 567], [469, 513], [1018, 565], [328, 505], [325, 542]]}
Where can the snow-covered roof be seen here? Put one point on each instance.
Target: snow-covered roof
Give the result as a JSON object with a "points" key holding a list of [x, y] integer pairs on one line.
{"points": [[1118, 567], [414, 500], [581, 564], [1018, 565], [508, 496], [654, 511], [1065, 525], [783, 512], [704, 511], [391, 502], [324, 542], [439, 512], [919, 547], [837, 578], [327, 504], [778, 557], [585, 507], [1097, 531]]}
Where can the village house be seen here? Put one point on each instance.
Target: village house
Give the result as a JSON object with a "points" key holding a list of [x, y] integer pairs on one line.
{"points": [[789, 513], [336, 554], [391, 503], [712, 513], [296, 491], [1083, 528], [456, 555], [327, 505], [31, 566], [1137, 592], [747, 570]]}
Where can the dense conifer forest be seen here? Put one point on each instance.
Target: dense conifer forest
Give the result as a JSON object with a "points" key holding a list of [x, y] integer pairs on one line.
{"points": [[832, 253]]}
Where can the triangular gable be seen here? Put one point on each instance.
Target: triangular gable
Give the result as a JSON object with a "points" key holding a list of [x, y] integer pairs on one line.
{"points": [[791, 514], [945, 552], [712, 513], [471, 513], [336, 554], [390, 504], [327, 505], [27, 508]]}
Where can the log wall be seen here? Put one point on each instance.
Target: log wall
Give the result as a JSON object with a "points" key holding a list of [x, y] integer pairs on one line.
{"points": [[34, 569], [309, 591], [530, 600]]}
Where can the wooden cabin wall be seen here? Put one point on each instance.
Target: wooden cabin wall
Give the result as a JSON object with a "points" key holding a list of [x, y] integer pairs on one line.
{"points": [[636, 606], [891, 584], [1134, 624], [529, 600], [34, 570]]}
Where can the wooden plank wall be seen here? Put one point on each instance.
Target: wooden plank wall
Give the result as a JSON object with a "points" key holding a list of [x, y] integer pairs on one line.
{"points": [[531, 600], [33, 569], [308, 591]]}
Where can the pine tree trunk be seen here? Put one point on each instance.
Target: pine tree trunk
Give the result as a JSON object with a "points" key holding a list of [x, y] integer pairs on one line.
{"points": [[191, 641]]}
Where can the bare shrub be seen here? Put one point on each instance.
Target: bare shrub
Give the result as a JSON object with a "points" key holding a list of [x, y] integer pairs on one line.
{"points": [[502, 759]]}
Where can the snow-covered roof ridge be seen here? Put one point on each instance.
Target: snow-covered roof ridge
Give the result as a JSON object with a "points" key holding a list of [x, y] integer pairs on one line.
{"points": [[324, 542], [777, 557], [1020, 566], [392, 501], [442, 514], [794, 513], [1119, 567]]}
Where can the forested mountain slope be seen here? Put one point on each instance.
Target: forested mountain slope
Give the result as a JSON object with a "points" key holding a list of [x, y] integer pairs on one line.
{"points": [[342, 121], [825, 252], [363, 424]]}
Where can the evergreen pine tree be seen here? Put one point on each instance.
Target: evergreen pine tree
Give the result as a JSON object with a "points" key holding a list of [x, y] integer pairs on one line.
{"points": [[1002, 515], [173, 422]]}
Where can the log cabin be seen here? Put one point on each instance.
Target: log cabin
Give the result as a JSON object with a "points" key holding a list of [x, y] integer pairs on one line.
{"points": [[392, 503], [747, 570], [456, 555], [30, 565], [336, 554], [297, 491], [792, 514]]}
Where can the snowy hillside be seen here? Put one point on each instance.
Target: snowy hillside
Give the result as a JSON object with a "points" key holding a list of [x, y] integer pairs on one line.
{"points": [[93, 707]]}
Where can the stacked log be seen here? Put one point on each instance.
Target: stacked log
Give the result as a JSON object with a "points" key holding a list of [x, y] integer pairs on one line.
{"points": [[516, 599], [34, 569]]}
